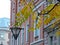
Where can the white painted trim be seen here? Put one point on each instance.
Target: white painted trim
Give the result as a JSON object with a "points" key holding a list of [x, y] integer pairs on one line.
{"points": [[49, 24], [38, 6], [41, 40]]}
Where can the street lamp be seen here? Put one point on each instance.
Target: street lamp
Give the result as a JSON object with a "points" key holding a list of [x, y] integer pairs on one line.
{"points": [[15, 31]]}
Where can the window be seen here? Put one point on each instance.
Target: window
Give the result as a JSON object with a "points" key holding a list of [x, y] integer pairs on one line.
{"points": [[22, 36], [18, 40], [27, 26], [55, 43], [36, 31], [13, 40], [2, 36], [18, 6], [51, 40], [55, 38]]}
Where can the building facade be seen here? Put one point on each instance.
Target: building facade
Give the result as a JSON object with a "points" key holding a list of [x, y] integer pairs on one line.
{"points": [[27, 38], [39, 36], [4, 31], [50, 37], [4, 40]]}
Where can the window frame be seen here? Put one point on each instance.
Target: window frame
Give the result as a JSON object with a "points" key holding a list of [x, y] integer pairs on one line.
{"points": [[27, 33], [36, 35]]}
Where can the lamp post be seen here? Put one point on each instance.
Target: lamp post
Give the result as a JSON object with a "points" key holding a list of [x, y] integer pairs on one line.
{"points": [[15, 31]]}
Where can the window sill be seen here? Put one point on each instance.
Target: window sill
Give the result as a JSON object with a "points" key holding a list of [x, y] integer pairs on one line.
{"points": [[38, 41]]}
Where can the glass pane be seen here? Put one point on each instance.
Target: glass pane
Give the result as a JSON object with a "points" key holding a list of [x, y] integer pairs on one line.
{"points": [[37, 32]]}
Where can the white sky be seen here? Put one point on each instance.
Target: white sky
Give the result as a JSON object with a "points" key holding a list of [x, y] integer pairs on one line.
{"points": [[5, 8]]}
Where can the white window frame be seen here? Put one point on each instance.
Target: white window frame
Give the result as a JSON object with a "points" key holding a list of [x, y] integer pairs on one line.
{"points": [[18, 40], [38, 30], [22, 36], [37, 33], [27, 26]]}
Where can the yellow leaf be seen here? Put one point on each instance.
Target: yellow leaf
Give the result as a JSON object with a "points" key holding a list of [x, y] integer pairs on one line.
{"points": [[48, 8], [34, 15], [52, 26], [58, 33], [27, 10], [56, 11], [31, 29], [18, 14], [22, 2], [39, 23]]}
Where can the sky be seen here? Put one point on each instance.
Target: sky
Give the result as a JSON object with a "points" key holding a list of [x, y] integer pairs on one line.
{"points": [[5, 8]]}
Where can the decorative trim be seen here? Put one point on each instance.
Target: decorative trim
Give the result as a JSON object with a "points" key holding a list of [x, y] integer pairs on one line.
{"points": [[41, 40], [38, 5]]}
